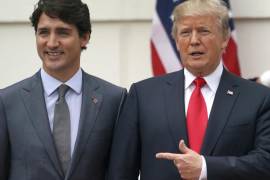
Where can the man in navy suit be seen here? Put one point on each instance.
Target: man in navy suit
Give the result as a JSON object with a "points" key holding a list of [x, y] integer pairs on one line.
{"points": [[155, 138], [34, 144]]}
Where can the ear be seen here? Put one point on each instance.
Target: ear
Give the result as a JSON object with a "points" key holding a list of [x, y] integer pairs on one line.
{"points": [[225, 42], [85, 39]]}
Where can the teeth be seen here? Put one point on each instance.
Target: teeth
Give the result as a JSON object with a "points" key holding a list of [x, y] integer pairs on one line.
{"points": [[54, 53]]}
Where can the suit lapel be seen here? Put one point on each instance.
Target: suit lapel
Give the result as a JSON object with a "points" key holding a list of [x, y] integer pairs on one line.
{"points": [[34, 101], [175, 108], [91, 101], [226, 95]]}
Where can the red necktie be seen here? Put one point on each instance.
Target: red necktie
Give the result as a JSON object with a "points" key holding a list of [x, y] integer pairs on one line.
{"points": [[196, 116]]}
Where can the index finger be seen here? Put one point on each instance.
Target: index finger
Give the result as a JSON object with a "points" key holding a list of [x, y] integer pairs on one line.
{"points": [[168, 156]]}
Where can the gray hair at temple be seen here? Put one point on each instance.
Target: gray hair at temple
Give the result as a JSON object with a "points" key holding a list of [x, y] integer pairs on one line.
{"points": [[216, 8]]}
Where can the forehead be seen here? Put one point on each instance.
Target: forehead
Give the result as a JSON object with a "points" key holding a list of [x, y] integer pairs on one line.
{"points": [[203, 20], [46, 21]]}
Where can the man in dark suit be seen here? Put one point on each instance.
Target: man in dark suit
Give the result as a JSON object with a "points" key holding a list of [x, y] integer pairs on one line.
{"points": [[43, 137], [198, 123]]}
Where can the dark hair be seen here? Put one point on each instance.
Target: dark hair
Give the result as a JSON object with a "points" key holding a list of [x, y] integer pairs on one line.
{"points": [[69, 11]]}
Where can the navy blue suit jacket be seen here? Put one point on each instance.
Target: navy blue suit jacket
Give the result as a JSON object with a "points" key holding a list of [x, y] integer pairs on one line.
{"points": [[237, 141]]}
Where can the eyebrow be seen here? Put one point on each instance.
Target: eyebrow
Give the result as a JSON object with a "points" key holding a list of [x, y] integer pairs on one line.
{"points": [[63, 29], [57, 29]]}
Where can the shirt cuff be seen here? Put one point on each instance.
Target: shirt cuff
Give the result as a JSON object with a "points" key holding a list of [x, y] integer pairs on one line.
{"points": [[203, 175]]}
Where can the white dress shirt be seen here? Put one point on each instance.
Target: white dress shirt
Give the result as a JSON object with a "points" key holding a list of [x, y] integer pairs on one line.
{"points": [[208, 91], [73, 99]]}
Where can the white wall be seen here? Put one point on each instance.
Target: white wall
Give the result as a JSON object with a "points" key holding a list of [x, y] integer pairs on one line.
{"points": [[119, 47]]}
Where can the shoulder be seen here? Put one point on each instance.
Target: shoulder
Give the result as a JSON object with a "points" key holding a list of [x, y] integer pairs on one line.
{"points": [[154, 87], [26, 84], [248, 86], [160, 81], [249, 94]]}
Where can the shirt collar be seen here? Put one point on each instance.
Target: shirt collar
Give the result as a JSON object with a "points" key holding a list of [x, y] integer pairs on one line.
{"points": [[212, 79], [50, 84]]}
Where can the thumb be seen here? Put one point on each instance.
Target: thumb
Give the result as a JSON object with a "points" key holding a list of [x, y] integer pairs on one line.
{"points": [[183, 148]]}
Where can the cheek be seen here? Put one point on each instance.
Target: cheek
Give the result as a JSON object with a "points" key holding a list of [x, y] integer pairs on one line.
{"points": [[39, 48], [73, 45], [40, 43], [211, 46], [182, 46]]}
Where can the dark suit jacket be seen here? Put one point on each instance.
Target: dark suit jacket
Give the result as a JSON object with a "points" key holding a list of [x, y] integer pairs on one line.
{"points": [[27, 150], [237, 142]]}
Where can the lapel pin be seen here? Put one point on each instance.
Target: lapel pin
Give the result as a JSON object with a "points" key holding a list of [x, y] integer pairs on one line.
{"points": [[95, 100], [229, 92]]}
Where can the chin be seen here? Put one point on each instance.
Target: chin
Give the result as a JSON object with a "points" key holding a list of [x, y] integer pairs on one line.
{"points": [[53, 66], [199, 66]]}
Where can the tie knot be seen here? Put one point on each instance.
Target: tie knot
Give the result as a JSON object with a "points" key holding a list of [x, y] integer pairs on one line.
{"points": [[199, 82], [62, 90]]}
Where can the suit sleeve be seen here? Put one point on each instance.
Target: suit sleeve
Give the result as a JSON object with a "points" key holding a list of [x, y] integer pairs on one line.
{"points": [[256, 163], [125, 154], [4, 144]]}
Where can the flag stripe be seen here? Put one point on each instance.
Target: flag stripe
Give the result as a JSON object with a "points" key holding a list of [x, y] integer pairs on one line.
{"points": [[157, 66], [230, 57], [230, 60], [164, 47], [164, 10]]}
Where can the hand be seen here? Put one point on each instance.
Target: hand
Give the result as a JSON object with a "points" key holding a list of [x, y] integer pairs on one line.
{"points": [[189, 164]]}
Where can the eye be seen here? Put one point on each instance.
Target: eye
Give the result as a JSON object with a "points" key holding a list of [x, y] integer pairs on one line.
{"points": [[184, 33], [42, 32], [204, 31], [63, 32]]}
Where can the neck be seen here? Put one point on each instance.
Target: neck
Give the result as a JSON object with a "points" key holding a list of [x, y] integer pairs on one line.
{"points": [[62, 76]]}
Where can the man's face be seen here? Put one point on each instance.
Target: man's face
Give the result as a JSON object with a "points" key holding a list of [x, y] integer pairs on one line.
{"points": [[59, 46], [200, 42]]}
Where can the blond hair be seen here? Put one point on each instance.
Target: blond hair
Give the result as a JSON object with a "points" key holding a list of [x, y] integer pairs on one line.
{"points": [[199, 8]]}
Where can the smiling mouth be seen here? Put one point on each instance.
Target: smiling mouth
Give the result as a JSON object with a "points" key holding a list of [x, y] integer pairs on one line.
{"points": [[54, 53]]}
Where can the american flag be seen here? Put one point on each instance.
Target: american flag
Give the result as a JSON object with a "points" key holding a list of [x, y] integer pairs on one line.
{"points": [[165, 57]]}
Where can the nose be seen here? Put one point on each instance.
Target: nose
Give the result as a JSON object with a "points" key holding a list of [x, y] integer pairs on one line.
{"points": [[52, 41], [195, 39]]}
